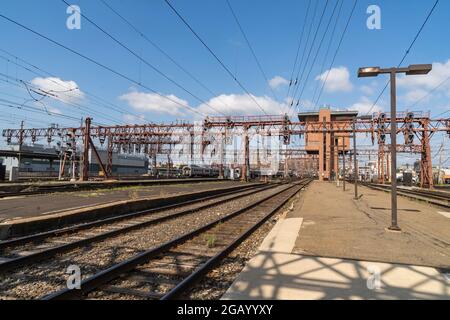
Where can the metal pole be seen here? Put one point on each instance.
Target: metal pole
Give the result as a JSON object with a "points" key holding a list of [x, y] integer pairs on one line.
{"points": [[343, 162], [355, 170], [394, 225], [86, 142]]}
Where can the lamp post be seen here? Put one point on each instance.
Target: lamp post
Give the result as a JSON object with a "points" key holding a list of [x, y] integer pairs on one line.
{"points": [[417, 69]]}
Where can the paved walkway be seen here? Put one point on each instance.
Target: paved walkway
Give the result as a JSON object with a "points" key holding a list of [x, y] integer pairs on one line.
{"points": [[331, 247], [38, 205]]}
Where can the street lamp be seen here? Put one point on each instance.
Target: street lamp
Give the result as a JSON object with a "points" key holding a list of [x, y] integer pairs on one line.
{"points": [[417, 69]]}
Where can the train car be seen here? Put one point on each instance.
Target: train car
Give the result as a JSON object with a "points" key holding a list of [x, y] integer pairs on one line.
{"points": [[200, 172], [162, 172]]}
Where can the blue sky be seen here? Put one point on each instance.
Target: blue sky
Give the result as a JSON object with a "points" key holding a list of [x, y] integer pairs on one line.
{"points": [[272, 27]]}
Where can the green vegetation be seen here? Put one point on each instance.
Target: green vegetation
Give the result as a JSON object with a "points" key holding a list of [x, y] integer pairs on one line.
{"points": [[210, 240]]}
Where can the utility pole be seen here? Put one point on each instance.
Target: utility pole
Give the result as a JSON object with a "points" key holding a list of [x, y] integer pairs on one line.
{"points": [[420, 69], [343, 162], [86, 142], [355, 170], [20, 147], [440, 160]]}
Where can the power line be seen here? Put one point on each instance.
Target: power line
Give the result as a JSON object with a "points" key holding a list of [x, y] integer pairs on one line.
{"points": [[330, 43], [310, 50], [163, 52], [214, 55], [406, 53], [44, 94], [19, 106], [302, 33], [430, 92], [43, 73], [291, 105], [154, 68], [440, 114], [100, 65], [306, 45], [318, 51], [336, 52], [251, 49]]}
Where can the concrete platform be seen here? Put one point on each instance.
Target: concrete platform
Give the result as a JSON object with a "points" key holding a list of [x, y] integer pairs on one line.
{"points": [[39, 205], [20, 227], [337, 226], [332, 247]]}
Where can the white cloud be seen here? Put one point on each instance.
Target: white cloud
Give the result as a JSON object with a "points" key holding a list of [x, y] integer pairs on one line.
{"points": [[367, 90], [277, 82], [426, 83], [58, 89], [364, 106], [338, 80], [152, 102], [415, 95], [236, 104], [132, 119], [54, 110]]}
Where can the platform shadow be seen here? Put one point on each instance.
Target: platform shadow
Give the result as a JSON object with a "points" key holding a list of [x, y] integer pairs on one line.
{"points": [[282, 276]]}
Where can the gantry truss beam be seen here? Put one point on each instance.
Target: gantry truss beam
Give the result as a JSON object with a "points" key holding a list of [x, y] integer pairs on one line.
{"points": [[271, 127], [220, 129]]}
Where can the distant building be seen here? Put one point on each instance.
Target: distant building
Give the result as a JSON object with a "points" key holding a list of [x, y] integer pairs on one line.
{"points": [[327, 146], [38, 161]]}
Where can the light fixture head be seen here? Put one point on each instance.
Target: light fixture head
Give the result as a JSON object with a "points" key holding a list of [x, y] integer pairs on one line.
{"points": [[368, 72], [418, 69]]}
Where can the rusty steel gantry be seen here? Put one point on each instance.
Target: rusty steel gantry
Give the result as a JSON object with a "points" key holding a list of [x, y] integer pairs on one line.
{"points": [[221, 129]]}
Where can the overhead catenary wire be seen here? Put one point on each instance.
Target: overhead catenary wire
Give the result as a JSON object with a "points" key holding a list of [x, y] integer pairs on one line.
{"points": [[146, 62], [163, 52], [344, 32], [215, 56], [311, 25], [46, 94], [302, 33], [40, 72], [251, 49], [99, 64], [406, 53], [330, 43], [19, 106], [300, 76], [430, 92], [305, 83]]}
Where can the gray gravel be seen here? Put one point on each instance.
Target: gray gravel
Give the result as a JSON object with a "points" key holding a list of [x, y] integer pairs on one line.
{"points": [[218, 280], [48, 276]]}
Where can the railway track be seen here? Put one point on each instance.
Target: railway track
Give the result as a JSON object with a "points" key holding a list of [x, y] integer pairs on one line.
{"points": [[33, 266], [168, 270], [71, 187], [26, 250], [439, 198]]}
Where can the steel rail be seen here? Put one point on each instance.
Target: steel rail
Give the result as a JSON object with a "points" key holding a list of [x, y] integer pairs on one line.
{"points": [[50, 252], [115, 271], [210, 263], [430, 197], [97, 223], [42, 190]]}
